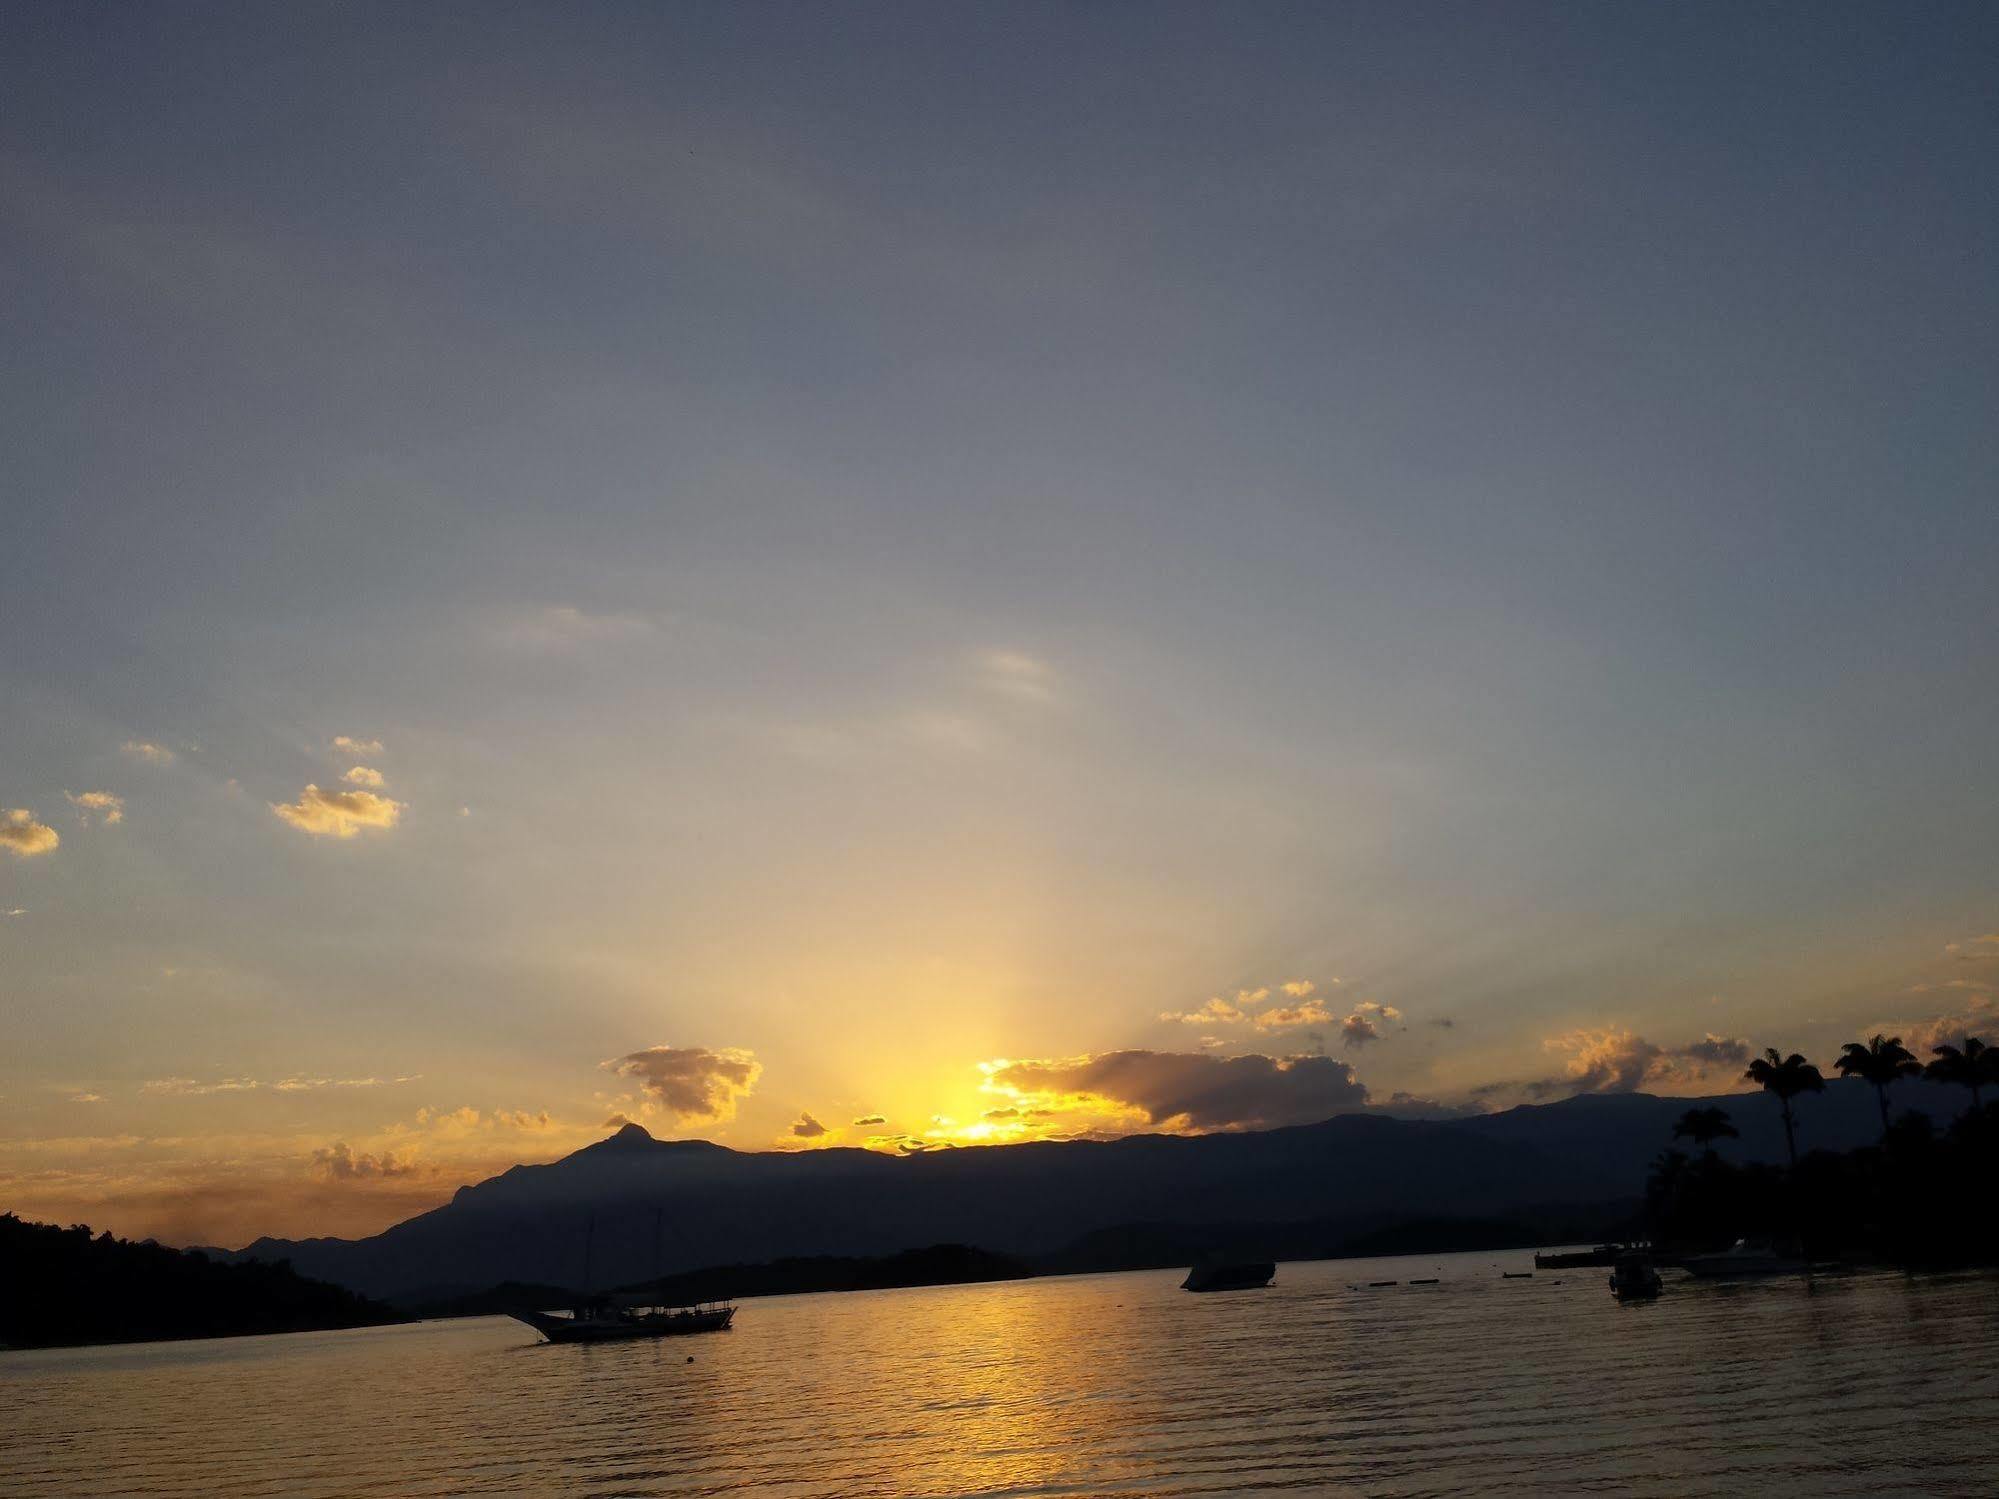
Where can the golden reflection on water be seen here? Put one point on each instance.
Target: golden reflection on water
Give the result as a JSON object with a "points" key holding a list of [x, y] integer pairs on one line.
{"points": [[1118, 1384]]}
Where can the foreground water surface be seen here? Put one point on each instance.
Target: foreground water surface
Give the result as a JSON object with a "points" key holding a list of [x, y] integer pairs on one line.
{"points": [[1870, 1383]]}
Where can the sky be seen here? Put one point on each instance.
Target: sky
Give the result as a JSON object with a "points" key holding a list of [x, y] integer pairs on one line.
{"points": [[901, 575]]}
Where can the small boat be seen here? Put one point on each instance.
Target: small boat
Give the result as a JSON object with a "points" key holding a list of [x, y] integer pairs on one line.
{"points": [[1745, 1257], [1215, 1273], [604, 1322], [1634, 1278], [1516, 1275]]}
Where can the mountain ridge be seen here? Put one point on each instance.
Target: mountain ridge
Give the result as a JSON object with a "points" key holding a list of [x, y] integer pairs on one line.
{"points": [[646, 1207]]}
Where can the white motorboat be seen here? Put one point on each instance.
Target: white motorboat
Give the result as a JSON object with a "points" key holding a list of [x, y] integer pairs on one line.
{"points": [[1745, 1257]]}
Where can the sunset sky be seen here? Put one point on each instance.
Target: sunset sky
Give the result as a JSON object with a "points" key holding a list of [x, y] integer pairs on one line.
{"points": [[902, 574]]}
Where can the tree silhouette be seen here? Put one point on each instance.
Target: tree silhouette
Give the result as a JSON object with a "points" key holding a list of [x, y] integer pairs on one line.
{"points": [[1881, 1061], [1973, 1067], [1785, 1078], [1704, 1127]]}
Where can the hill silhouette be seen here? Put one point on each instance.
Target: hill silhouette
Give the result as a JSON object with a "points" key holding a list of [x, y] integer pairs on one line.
{"points": [[649, 1207], [62, 1286]]}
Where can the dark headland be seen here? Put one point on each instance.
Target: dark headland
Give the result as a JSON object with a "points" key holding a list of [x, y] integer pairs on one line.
{"points": [[61, 1286]]}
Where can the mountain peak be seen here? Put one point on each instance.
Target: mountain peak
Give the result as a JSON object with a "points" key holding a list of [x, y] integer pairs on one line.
{"points": [[631, 1134]]}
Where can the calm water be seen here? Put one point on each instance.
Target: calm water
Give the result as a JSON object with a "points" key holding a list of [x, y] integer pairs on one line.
{"points": [[1110, 1384]]}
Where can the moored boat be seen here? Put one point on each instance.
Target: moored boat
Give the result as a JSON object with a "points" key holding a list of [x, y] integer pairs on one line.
{"points": [[1215, 1273], [1634, 1278], [1744, 1257], [603, 1322]]}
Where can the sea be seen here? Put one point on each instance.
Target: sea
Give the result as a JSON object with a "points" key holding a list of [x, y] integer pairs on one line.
{"points": [[1863, 1383]]}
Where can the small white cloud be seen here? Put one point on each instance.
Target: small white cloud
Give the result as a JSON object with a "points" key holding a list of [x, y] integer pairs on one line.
{"points": [[148, 753], [339, 814], [16, 911], [111, 809], [86, 1098], [1018, 675], [561, 627], [22, 834], [361, 775], [347, 744]]}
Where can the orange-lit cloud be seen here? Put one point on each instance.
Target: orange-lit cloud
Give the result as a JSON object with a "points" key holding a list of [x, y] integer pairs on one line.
{"points": [[339, 814], [362, 775], [22, 834], [692, 1082], [1181, 1090], [187, 1086], [1221, 1010], [107, 808], [347, 744], [145, 751], [337, 1163], [1364, 1024], [1290, 1017], [1618, 1061]]}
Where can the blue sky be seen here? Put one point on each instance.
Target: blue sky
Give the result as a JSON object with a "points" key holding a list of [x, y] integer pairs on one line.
{"points": [[886, 538]]}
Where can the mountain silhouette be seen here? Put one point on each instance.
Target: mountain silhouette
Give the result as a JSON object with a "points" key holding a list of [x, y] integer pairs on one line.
{"points": [[643, 1207]]}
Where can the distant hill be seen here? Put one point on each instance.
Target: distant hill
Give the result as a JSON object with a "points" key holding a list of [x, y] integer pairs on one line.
{"points": [[649, 1206], [62, 1286]]}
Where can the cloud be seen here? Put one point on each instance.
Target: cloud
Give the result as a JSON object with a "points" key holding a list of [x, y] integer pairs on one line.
{"points": [[1287, 1017], [692, 1082], [1219, 1010], [1364, 1024], [187, 1086], [361, 775], [1009, 1112], [1185, 1090], [338, 814], [22, 835], [337, 1163], [870, 1119], [110, 808], [1977, 1016], [146, 752], [617, 1121], [1716, 1051], [1975, 949], [561, 627], [347, 744], [807, 1128], [1443, 1022], [1299, 988], [1618, 1061], [522, 1119], [86, 1098], [15, 911], [1017, 674], [902, 1144]]}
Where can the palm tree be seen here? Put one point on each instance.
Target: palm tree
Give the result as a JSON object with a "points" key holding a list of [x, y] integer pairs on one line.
{"points": [[1704, 1127], [1786, 1077], [1973, 1067], [1881, 1061]]}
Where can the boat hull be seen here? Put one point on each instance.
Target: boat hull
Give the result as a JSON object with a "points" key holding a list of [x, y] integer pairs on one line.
{"points": [[1741, 1267], [625, 1329], [1246, 1277]]}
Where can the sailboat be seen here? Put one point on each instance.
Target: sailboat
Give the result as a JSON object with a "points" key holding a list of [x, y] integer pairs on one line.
{"points": [[605, 1319]]}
